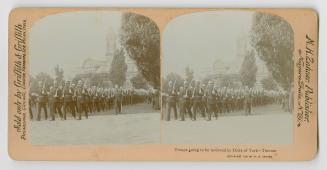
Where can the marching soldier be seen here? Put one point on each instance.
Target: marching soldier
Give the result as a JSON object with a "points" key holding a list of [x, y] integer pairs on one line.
{"points": [[211, 100], [111, 98], [95, 95], [42, 100], [181, 102], [197, 99], [164, 98], [118, 100], [232, 100], [187, 98], [226, 102], [60, 99], [68, 100], [156, 99], [171, 100], [131, 96], [56, 100], [204, 108], [51, 100], [81, 107], [102, 99], [219, 101], [248, 101], [89, 99], [240, 98], [73, 87]]}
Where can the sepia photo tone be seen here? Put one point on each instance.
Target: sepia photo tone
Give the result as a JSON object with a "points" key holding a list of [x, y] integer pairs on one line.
{"points": [[94, 79], [226, 82], [228, 79]]}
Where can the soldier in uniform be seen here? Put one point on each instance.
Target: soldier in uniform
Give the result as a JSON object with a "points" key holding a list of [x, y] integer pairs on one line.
{"points": [[103, 99], [60, 99], [42, 101], [211, 94], [181, 102], [232, 101], [81, 93], [226, 101], [51, 99], [197, 99], [89, 99], [100, 99], [111, 98], [68, 100], [187, 98], [118, 100], [164, 98], [95, 99], [219, 101], [204, 108], [156, 97], [223, 100], [131, 96], [73, 87], [239, 100], [56, 100], [248, 101], [171, 100]]}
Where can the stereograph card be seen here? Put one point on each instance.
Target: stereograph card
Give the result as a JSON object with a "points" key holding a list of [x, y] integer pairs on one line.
{"points": [[163, 84]]}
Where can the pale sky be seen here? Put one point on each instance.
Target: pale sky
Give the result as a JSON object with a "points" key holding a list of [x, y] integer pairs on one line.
{"points": [[199, 39], [67, 39]]}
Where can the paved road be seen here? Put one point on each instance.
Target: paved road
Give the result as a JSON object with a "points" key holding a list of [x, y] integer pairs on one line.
{"points": [[268, 125], [131, 127]]}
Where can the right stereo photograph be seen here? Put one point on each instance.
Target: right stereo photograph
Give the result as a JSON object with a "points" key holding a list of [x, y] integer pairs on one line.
{"points": [[227, 78]]}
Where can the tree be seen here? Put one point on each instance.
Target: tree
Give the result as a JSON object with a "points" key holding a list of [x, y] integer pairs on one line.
{"points": [[248, 70], [269, 83], [189, 74], [59, 74], [272, 38], [140, 37], [118, 68]]}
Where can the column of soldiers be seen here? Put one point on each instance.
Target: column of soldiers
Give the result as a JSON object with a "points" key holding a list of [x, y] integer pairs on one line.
{"points": [[64, 99], [207, 100]]}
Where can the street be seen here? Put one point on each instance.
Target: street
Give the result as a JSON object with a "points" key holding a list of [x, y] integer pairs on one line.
{"points": [[130, 127], [267, 125]]}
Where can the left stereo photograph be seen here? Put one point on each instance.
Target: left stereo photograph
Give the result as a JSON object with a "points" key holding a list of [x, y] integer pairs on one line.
{"points": [[89, 78]]}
